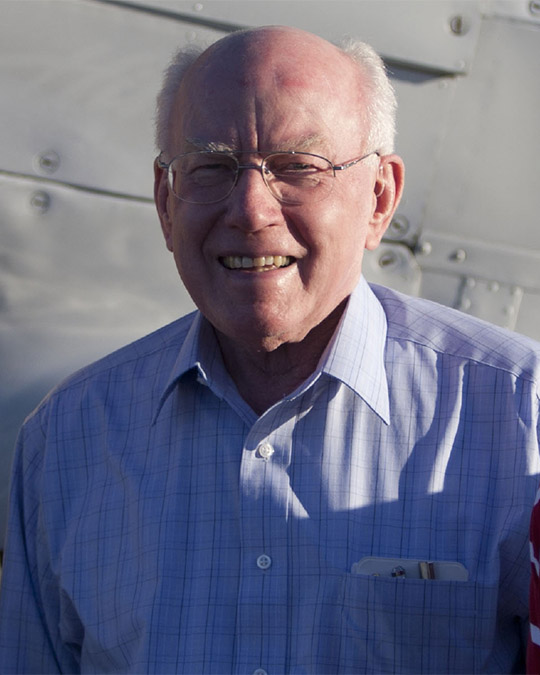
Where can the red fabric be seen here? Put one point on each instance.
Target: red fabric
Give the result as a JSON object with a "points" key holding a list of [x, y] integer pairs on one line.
{"points": [[533, 651]]}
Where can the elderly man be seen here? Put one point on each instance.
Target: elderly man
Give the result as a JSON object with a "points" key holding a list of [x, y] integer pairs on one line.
{"points": [[307, 475]]}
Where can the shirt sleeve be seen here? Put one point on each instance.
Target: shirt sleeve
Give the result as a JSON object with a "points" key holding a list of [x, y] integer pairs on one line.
{"points": [[30, 639]]}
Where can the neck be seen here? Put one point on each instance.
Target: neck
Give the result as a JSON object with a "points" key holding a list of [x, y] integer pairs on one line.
{"points": [[264, 377]]}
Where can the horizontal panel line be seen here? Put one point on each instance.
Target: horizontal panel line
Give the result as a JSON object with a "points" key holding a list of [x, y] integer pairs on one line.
{"points": [[228, 27], [176, 16], [43, 180]]}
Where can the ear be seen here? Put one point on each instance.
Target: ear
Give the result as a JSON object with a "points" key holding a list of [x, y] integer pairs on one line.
{"points": [[387, 192], [161, 199]]}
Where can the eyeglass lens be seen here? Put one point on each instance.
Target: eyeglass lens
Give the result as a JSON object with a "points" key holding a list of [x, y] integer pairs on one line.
{"points": [[208, 177]]}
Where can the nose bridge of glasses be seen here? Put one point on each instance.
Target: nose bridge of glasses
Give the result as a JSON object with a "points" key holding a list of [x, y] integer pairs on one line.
{"points": [[261, 168]]}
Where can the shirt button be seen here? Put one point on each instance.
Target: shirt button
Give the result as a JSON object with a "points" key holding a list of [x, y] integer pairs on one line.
{"points": [[265, 450], [260, 671], [263, 562]]}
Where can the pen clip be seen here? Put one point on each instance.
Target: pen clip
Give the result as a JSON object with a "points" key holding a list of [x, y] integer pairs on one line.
{"points": [[427, 570]]}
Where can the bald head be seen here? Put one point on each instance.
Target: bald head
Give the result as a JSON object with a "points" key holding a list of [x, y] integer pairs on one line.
{"points": [[247, 48], [293, 59]]}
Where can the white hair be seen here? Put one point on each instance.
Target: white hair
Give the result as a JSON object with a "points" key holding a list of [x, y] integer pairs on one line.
{"points": [[380, 101], [184, 58]]}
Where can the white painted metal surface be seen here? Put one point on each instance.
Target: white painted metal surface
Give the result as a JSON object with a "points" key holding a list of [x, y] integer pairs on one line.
{"points": [[83, 269]]}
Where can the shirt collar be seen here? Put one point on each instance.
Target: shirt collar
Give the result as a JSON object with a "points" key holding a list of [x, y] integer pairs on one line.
{"points": [[198, 353], [355, 355]]}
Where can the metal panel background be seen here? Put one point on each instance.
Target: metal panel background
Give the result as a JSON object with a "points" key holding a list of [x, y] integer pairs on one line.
{"points": [[482, 220], [83, 268], [79, 80], [389, 25]]}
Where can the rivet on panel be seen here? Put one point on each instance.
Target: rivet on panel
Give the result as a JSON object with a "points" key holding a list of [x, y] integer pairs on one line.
{"points": [[387, 259], [424, 248], [456, 24], [459, 255], [459, 25], [40, 201], [399, 227], [198, 6], [48, 161]]}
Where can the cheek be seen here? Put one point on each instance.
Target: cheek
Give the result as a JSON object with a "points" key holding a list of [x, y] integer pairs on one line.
{"points": [[343, 250], [187, 232], [190, 250], [342, 236], [187, 255]]}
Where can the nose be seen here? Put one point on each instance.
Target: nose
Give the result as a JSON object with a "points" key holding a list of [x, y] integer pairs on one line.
{"points": [[251, 206]]}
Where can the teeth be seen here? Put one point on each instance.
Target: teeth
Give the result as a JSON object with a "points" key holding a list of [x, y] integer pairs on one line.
{"points": [[234, 262]]}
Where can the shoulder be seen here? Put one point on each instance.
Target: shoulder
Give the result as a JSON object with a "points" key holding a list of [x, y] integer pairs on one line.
{"points": [[430, 326], [147, 363]]}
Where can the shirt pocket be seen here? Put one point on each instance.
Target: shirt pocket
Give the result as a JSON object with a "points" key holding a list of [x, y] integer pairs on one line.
{"points": [[414, 625]]}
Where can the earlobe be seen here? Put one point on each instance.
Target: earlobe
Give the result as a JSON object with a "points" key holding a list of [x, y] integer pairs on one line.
{"points": [[161, 198]]}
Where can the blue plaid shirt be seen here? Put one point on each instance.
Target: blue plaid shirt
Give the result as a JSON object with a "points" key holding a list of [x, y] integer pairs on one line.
{"points": [[157, 525]]}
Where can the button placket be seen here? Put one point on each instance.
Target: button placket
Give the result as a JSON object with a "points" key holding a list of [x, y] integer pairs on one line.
{"points": [[263, 488]]}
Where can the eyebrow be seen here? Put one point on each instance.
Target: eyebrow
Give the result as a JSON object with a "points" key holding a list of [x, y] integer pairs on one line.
{"points": [[306, 143], [299, 144], [210, 146]]}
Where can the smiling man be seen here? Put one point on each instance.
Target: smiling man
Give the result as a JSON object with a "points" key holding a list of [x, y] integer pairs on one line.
{"points": [[308, 474], [250, 96]]}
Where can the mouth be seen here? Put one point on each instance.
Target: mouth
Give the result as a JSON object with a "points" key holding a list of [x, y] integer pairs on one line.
{"points": [[259, 264]]}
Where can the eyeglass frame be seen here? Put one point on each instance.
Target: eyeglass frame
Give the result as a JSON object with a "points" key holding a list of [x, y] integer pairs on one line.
{"points": [[259, 167]]}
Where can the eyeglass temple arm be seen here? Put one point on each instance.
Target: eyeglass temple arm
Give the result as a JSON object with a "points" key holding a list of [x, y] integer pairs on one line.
{"points": [[342, 167], [161, 163]]}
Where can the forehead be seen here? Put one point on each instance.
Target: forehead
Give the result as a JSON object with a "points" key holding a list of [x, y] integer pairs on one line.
{"points": [[271, 91]]}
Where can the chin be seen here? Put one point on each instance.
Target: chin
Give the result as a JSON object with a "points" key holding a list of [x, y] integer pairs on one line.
{"points": [[260, 334]]}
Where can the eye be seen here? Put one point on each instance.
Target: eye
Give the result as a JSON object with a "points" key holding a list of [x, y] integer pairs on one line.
{"points": [[287, 166], [207, 169], [296, 165]]}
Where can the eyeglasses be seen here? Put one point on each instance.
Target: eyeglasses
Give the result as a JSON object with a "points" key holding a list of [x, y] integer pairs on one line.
{"points": [[207, 177]]}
